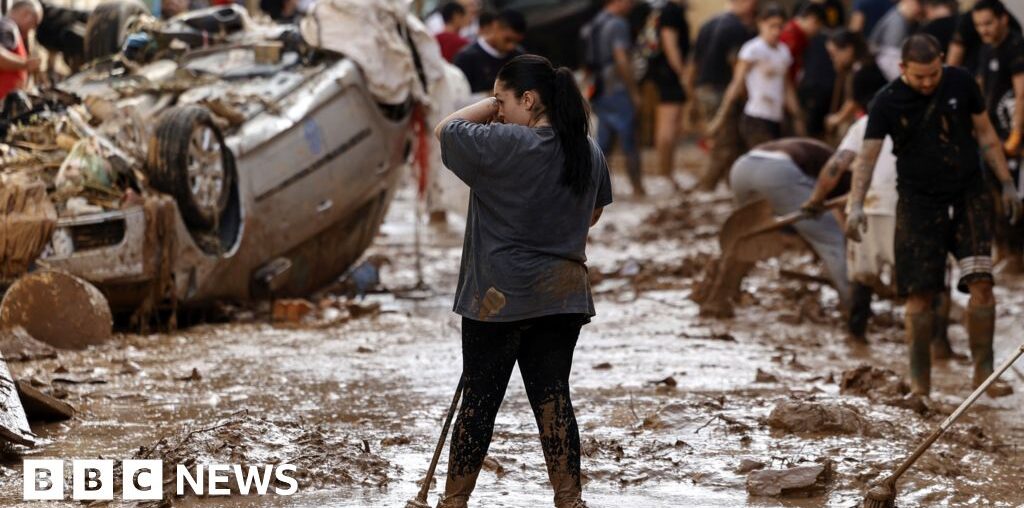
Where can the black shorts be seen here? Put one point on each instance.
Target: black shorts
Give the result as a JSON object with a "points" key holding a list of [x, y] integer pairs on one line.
{"points": [[927, 232], [669, 88]]}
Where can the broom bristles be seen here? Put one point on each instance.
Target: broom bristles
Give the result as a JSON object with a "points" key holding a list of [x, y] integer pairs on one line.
{"points": [[880, 496]]}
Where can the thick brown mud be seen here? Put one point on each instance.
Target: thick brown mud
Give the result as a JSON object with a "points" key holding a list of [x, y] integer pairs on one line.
{"points": [[674, 409]]}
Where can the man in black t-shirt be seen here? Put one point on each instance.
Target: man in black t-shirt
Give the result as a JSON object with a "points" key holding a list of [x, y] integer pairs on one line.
{"points": [[937, 120], [1001, 74], [966, 44], [718, 42]]}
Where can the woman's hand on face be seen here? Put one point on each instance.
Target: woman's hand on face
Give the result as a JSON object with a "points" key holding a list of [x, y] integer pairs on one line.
{"points": [[495, 110]]}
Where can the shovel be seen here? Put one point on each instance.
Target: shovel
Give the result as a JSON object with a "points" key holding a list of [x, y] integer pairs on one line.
{"points": [[757, 217]]}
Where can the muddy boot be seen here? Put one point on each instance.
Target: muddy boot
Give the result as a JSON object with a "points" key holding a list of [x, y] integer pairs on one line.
{"points": [[941, 348], [980, 322], [457, 490], [860, 312], [567, 490], [919, 338]]}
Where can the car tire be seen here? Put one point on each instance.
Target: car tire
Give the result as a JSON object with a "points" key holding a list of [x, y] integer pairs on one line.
{"points": [[188, 159], [106, 29]]}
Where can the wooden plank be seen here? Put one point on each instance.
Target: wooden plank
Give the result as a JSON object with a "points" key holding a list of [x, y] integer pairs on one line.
{"points": [[40, 406], [13, 422]]}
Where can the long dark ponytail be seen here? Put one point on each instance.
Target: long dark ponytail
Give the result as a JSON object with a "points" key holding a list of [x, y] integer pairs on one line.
{"points": [[566, 110]]}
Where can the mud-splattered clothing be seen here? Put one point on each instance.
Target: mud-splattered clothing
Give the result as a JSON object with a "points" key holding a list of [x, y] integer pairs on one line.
{"points": [[927, 232], [773, 172], [944, 207], [937, 157], [524, 253], [543, 347]]}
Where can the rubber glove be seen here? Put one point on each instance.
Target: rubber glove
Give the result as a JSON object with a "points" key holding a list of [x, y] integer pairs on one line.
{"points": [[856, 222], [1011, 201]]}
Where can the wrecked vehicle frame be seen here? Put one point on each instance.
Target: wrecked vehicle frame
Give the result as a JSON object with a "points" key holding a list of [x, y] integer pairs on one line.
{"points": [[308, 165]]}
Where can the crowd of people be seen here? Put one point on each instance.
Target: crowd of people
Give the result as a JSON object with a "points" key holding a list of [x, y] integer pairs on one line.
{"points": [[925, 103]]}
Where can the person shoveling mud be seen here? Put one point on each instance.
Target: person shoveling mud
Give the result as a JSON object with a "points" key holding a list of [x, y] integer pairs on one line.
{"points": [[538, 184], [944, 207], [773, 179]]}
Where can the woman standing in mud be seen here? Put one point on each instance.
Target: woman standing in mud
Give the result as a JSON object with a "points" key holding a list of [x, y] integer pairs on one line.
{"points": [[538, 183]]}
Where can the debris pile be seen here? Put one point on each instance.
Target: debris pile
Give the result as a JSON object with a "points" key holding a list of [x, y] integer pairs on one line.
{"points": [[321, 460]]}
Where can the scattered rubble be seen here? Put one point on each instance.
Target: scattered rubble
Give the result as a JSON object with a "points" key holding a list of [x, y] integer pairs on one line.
{"points": [[491, 464], [194, 376], [17, 345], [321, 460], [765, 377], [872, 382], [748, 465], [804, 416], [291, 311], [795, 481]]}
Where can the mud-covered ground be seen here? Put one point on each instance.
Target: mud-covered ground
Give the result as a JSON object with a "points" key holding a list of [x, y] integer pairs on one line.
{"points": [[669, 403]]}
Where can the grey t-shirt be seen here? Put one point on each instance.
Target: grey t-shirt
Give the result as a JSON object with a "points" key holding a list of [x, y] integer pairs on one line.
{"points": [[612, 33], [524, 253]]}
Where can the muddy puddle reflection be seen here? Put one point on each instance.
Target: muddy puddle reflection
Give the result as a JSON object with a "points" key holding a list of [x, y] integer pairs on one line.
{"points": [[670, 405]]}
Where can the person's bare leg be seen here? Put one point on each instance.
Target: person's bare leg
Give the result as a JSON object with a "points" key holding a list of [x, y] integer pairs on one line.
{"points": [[669, 117], [980, 322], [920, 323]]}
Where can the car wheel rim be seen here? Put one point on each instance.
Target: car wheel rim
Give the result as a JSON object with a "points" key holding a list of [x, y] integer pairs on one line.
{"points": [[205, 169]]}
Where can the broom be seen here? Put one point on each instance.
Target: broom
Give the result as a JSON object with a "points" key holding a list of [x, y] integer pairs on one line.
{"points": [[883, 494], [421, 498]]}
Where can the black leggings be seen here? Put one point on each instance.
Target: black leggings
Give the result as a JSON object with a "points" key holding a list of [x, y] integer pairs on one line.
{"points": [[543, 347]]}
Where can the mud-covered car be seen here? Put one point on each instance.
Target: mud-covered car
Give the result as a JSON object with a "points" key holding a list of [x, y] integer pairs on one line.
{"points": [[220, 160]]}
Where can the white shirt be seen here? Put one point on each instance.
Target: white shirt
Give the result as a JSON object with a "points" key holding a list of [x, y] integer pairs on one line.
{"points": [[881, 198], [766, 80], [489, 49]]}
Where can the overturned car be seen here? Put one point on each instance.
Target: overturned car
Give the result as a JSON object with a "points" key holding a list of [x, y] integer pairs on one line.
{"points": [[214, 158]]}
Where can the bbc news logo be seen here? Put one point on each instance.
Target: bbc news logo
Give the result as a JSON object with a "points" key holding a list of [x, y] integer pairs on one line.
{"points": [[142, 480]]}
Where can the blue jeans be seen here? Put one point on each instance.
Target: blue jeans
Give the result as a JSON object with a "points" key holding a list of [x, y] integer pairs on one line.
{"points": [[786, 187], [617, 119]]}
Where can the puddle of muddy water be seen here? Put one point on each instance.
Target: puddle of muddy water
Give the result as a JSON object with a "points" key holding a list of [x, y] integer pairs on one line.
{"points": [[668, 403]]}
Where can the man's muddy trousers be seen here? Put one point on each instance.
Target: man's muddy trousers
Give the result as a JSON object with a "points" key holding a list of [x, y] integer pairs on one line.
{"points": [[543, 347]]}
